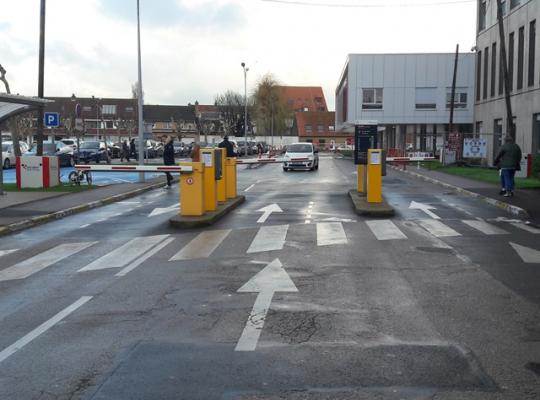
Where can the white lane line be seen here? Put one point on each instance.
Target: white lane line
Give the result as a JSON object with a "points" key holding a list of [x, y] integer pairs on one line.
{"points": [[249, 188], [43, 260], [202, 246], [6, 252], [308, 221], [125, 254], [145, 257], [129, 202], [19, 344], [484, 227], [330, 233], [101, 220], [84, 226], [269, 238], [525, 227], [385, 230], [437, 228]]}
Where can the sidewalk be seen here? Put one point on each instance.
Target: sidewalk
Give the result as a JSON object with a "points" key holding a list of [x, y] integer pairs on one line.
{"points": [[21, 210], [525, 203]]}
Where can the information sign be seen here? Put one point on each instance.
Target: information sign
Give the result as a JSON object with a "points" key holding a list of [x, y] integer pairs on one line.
{"points": [[365, 138], [474, 148]]}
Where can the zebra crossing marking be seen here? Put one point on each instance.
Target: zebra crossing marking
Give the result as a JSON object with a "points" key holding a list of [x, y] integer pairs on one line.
{"points": [[269, 238], [43, 260], [484, 227], [525, 227], [6, 252], [125, 254], [330, 233], [385, 230], [437, 228], [202, 246]]}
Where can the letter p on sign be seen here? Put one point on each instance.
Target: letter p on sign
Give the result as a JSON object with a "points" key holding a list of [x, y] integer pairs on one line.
{"points": [[52, 120]]}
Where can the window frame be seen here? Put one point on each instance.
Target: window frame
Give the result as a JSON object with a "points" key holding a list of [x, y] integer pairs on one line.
{"points": [[378, 99]]}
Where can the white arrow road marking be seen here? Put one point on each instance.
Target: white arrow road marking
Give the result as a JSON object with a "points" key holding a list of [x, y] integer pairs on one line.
{"points": [[6, 252], [267, 211], [44, 327], [528, 255], [159, 210], [425, 208], [273, 278]]}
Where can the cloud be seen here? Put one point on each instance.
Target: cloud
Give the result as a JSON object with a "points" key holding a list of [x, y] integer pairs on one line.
{"points": [[203, 15]]}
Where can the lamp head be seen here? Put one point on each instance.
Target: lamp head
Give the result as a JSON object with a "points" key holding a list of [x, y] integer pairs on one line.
{"points": [[243, 64]]}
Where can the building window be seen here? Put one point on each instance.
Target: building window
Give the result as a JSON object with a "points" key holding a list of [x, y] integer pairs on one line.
{"points": [[331, 128], [493, 67], [486, 71], [478, 74], [460, 99], [87, 108], [320, 128], [108, 109], [308, 128], [129, 109], [511, 61], [501, 75], [372, 98], [318, 100], [532, 51], [503, 7], [109, 124], [514, 3], [426, 98], [521, 47], [482, 15]]}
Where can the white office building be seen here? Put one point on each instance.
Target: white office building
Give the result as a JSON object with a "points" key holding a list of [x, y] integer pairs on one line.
{"points": [[408, 95], [520, 18]]}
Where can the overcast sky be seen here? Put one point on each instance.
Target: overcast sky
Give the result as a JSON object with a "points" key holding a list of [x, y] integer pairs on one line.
{"points": [[192, 49]]}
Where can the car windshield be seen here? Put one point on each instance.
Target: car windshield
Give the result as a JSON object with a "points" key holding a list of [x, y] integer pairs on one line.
{"points": [[90, 145], [6, 147], [300, 148]]}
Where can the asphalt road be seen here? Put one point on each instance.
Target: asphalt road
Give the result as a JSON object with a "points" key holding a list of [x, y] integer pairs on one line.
{"points": [[310, 302]]}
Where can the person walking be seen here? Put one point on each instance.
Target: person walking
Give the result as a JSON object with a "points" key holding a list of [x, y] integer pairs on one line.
{"points": [[125, 151], [132, 149], [228, 146], [195, 152], [168, 157], [509, 161]]}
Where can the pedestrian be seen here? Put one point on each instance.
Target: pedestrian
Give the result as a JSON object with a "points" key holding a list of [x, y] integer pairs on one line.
{"points": [[132, 149], [125, 151], [225, 144], [259, 149], [195, 152], [509, 161], [168, 158]]}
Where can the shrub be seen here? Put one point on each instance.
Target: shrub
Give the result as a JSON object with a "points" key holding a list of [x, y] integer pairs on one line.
{"points": [[536, 166]]}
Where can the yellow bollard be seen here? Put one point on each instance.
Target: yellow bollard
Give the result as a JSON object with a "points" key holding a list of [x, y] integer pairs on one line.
{"points": [[210, 184], [361, 171], [374, 176], [221, 183], [230, 178], [192, 190]]}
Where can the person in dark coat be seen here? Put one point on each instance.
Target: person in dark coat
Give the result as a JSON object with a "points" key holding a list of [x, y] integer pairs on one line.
{"points": [[125, 151], [168, 157], [509, 161], [225, 144], [132, 149]]}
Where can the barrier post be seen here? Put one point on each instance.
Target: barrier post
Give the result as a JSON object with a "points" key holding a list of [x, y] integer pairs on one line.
{"points": [[374, 176], [192, 190], [210, 184], [222, 182], [361, 172], [230, 178]]}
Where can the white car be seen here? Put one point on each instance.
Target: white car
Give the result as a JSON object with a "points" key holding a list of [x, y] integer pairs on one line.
{"points": [[8, 155], [301, 156]]}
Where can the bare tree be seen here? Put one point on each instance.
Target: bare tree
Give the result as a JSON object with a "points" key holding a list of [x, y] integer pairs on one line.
{"points": [[13, 122], [231, 106]]}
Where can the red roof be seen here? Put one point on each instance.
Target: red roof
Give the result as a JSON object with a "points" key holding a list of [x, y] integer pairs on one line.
{"points": [[302, 98]]}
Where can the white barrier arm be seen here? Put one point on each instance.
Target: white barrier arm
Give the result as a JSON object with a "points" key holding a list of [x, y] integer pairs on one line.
{"points": [[134, 168]]}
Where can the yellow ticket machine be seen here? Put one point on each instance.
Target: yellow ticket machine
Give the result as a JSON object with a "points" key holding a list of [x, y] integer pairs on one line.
{"points": [[192, 190], [222, 180], [230, 177], [374, 175], [211, 158]]}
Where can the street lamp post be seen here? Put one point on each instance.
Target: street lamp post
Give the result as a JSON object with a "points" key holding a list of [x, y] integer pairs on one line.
{"points": [[140, 95], [245, 108]]}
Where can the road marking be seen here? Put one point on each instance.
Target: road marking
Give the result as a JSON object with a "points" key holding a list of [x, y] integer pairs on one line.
{"points": [[272, 278], [437, 228], [6, 252], [526, 227], [19, 344], [125, 254], [249, 188], [269, 238], [145, 257], [528, 255], [425, 208], [385, 230], [84, 226], [267, 211], [329, 233], [43, 260], [164, 210], [307, 221], [101, 220], [202, 246], [484, 227]]}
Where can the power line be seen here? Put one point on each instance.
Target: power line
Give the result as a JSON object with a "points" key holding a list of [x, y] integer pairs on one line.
{"points": [[333, 5]]}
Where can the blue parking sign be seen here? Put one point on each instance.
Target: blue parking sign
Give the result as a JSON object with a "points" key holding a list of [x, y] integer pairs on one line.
{"points": [[51, 120]]}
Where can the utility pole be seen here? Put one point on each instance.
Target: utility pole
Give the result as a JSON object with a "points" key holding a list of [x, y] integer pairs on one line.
{"points": [[41, 74], [452, 100], [142, 144], [510, 131]]}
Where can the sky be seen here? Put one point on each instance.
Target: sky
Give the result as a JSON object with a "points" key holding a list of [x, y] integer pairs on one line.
{"points": [[192, 50]]}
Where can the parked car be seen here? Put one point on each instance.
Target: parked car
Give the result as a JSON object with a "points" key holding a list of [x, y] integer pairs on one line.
{"points": [[115, 149], [92, 151], [301, 156], [8, 155], [242, 147], [70, 142], [67, 156]]}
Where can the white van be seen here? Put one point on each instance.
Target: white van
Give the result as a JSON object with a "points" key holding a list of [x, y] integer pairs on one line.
{"points": [[301, 156]]}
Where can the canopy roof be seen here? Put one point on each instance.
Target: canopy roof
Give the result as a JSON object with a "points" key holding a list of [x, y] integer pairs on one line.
{"points": [[13, 104]]}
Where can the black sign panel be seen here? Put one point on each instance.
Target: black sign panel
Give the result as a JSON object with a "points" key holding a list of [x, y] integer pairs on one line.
{"points": [[219, 163], [365, 137]]}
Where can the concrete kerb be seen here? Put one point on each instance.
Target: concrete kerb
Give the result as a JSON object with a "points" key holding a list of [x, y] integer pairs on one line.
{"points": [[209, 218], [514, 210], [41, 219]]}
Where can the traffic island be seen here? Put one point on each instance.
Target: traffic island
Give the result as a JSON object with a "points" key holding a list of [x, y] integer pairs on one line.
{"points": [[362, 207], [209, 218]]}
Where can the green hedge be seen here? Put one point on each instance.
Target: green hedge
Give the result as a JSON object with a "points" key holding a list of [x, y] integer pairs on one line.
{"points": [[536, 166]]}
